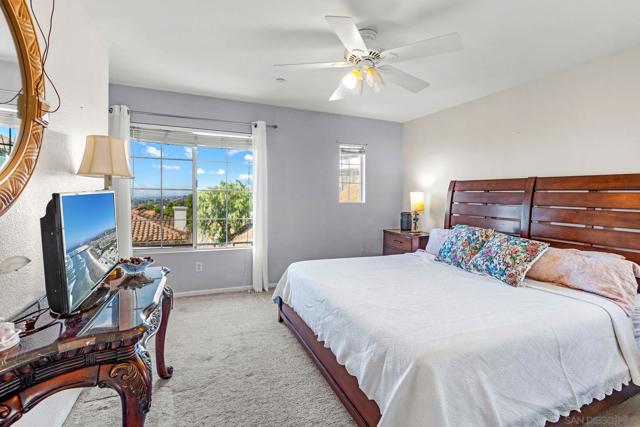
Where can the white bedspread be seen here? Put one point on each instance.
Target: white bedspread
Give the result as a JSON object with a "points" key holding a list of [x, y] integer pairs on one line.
{"points": [[440, 347]]}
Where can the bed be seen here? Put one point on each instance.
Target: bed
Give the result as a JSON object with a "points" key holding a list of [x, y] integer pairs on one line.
{"points": [[400, 338]]}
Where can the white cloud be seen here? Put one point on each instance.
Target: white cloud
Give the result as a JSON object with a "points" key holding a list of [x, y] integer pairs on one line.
{"points": [[153, 151], [220, 172], [245, 176], [234, 152], [188, 152], [166, 167], [200, 171], [248, 157]]}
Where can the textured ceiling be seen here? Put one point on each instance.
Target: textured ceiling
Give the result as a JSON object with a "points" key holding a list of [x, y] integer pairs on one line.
{"points": [[227, 48]]}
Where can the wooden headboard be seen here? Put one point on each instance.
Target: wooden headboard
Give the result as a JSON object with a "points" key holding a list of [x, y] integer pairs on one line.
{"points": [[598, 212]]}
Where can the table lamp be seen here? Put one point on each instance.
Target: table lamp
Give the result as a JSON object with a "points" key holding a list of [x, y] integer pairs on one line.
{"points": [[417, 206], [105, 156]]}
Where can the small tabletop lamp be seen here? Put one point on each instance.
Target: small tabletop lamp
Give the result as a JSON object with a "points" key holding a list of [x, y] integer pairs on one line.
{"points": [[105, 156], [417, 206]]}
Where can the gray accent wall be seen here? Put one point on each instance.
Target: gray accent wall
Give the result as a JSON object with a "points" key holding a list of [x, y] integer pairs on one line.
{"points": [[305, 219]]}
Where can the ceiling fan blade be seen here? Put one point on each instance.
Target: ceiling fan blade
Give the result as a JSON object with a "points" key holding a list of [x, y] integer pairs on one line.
{"points": [[347, 32], [404, 80], [339, 93], [425, 48], [314, 65]]}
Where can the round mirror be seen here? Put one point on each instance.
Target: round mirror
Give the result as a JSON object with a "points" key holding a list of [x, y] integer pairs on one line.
{"points": [[23, 111], [10, 91]]}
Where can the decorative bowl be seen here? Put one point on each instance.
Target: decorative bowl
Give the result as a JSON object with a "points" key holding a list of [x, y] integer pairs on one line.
{"points": [[133, 269]]}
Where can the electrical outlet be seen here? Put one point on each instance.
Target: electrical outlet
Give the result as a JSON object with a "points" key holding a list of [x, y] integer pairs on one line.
{"points": [[199, 267]]}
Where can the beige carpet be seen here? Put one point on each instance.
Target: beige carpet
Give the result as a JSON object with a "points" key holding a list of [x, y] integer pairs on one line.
{"points": [[235, 366]]}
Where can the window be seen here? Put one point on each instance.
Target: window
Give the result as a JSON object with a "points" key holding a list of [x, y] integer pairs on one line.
{"points": [[7, 142], [352, 173], [9, 129], [182, 179]]}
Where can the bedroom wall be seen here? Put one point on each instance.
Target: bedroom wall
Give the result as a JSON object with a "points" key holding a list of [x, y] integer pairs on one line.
{"points": [[585, 120], [79, 68], [305, 219]]}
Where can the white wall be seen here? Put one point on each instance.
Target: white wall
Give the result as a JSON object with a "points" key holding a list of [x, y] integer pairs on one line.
{"points": [[305, 219], [585, 120], [78, 64]]}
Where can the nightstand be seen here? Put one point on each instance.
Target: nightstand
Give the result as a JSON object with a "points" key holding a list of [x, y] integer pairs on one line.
{"points": [[397, 241]]}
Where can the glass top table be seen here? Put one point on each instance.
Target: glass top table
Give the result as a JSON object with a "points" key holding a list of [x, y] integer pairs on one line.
{"points": [[103, 345]]}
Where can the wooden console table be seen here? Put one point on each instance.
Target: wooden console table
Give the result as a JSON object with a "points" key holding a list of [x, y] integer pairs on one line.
{"points": [[104, 346]]}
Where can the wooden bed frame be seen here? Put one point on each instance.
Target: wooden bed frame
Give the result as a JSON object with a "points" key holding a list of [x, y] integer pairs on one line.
{"points": [[599, 212]]}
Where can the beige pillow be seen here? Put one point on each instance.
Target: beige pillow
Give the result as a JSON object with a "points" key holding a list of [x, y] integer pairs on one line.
{"points": [[609, 276], [595, 254]]}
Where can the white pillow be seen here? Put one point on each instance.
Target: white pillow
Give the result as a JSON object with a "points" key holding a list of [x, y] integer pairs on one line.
{"points": [[635, 317], [437, 236]]}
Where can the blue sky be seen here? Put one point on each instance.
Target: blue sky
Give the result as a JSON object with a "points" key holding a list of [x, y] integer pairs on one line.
{"points": [[86, 216], [215, 165], [4, 130]]}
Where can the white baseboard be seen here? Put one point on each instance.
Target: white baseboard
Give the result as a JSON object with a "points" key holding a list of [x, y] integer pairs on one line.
{"points": [[204, 292]]}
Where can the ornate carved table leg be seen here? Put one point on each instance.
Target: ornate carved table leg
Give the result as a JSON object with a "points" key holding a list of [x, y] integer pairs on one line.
{"points": [[10, 411], [132, 380], [164, 371]]}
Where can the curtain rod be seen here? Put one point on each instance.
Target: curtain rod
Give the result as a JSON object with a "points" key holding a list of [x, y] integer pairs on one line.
{"points": [[177, 116], [184, 128]]}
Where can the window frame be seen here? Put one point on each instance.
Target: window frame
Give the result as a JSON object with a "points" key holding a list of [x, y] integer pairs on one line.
{"points": [[343, 147], [195, 245]]}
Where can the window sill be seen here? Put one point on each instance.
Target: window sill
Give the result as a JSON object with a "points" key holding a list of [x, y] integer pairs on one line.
{"points": [[161, 251]]}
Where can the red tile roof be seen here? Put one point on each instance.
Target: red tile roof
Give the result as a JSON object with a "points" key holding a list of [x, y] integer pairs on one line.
{"points": [[147, 227]]}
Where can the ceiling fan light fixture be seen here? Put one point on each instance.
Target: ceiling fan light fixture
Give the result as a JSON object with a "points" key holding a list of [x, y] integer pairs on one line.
{"points": [[353, 81], [374, 79], [367, 63]]}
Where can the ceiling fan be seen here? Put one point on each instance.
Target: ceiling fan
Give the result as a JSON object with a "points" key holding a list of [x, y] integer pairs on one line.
{"points": [[370, 64]]}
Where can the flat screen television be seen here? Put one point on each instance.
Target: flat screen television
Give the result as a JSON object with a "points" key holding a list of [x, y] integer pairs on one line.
{"points": [[79, 246]]}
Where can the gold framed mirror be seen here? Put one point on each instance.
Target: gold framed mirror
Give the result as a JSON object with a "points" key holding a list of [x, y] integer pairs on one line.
{"points": [[22, 107]]}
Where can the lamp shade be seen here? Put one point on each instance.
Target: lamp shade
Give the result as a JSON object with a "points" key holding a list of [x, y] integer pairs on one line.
{"points": [[105, 156], [374, 79], [417, 201], [353, 81]]}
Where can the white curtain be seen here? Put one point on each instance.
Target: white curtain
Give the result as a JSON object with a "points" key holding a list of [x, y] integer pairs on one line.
{"points": [[119, 124], [260, 239]]}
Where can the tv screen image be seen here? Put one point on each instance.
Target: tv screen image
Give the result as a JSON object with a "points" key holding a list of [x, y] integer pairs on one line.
{"points": [[90, 241]]}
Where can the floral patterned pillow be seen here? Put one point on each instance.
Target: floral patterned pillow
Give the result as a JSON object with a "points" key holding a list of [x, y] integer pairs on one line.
{"points": [[508, 258], [462, 244]]}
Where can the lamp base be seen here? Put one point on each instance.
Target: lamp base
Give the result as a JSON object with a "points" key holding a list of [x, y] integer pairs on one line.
{"points": [[416, 218], [108, 182]]}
